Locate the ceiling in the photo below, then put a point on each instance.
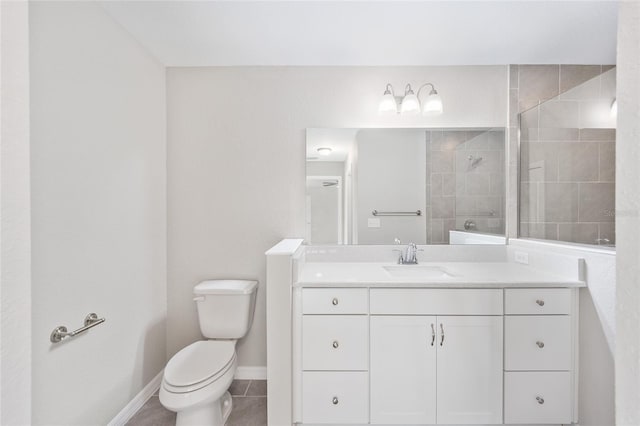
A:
(339, 140)
(379, 33)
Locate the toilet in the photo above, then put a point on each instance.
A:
(196, 380)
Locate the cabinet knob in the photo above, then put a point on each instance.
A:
(335, 400)
(540, 302)
(540, 344)
(334, 302)
(540, 400)
(335, 344)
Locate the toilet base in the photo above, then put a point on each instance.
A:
(213, 414)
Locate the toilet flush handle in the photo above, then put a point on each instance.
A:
(198, 298)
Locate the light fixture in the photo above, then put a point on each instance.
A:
(410, 103)
(324, 151)
(614, 108)
(388, 104)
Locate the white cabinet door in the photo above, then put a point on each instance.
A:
(403, 369)
(469, 369)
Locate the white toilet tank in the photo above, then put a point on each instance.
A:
(225, 307)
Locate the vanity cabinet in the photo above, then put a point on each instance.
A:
(403, 369)
(335, 356)
(539, 343)
(422, 356)
(449, 367)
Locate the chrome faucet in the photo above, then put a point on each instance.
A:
(408, 256)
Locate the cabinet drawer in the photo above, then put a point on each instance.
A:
(537, 301)
(387, 301)
(330, 397)
(335, 342)
(537, 342)
(335, 301)
(537, 398)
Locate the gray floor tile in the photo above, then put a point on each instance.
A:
(153, 413)
(248, 411)
(239, 387)
(257, 388)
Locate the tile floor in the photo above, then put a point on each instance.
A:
(249, 407)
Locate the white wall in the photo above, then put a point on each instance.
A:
(628, 216)
(15, 242)
(99, 212)
(236, 162)
(391, 176)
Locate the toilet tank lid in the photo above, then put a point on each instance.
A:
(226, 287)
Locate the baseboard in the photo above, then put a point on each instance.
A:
(137, 402)
(251, 373)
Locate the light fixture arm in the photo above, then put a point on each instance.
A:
(389, 90)
(408, 89)
(433, 89)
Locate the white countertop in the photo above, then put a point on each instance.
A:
(455, 275)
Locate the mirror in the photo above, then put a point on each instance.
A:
(427, 186)
(568, 167)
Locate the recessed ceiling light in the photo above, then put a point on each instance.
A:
(324, 151)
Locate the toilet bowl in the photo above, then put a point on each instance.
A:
(196, 379)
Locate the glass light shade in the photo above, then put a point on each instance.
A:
(388, 104)
(324, 151)
(410, 104)
(433, 104)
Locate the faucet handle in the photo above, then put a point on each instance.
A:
(401, 256)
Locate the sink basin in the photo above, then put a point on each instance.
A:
(417, 271)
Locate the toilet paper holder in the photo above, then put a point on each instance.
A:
(60, 333)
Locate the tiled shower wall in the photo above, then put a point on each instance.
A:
(465, 181)
(567, 165)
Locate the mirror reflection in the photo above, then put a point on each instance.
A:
(567, 165)
(427, 186)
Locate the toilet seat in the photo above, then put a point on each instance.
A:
(198, 365)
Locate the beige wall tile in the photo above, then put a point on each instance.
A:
(545, 231)
(496, 184)
(558, 202)
(442, 161)
(465, 205)
(443, 207)
(489, 206)
(477, 141)
(536, 83)
(436, 139)
(478, 184)
(597, 201)
(598, 134)
(513, 76)
(560, 114)
(546, 134)
(607, 231)
(574, 75)
(585, 233)
(448, 184)
(539, 161)
(496, 140)
(436, 184)
(578, 162)
(451, 139)
(529, 202)
(437, 233)
(607, 161)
